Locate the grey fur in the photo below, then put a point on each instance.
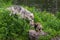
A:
(22, 12)
(34, 34)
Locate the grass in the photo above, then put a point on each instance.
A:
(49, 21)
(17, 29)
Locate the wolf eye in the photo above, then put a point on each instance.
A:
(39, 29)
(30, 16)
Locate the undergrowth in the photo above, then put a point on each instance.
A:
(14, 28)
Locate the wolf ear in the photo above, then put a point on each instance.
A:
(35, 26)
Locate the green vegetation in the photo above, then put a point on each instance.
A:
(12, 27)
(50, 23)
(15, 28)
